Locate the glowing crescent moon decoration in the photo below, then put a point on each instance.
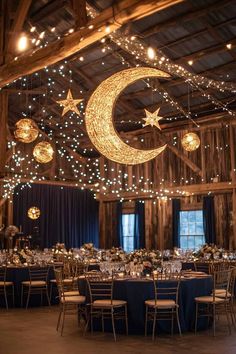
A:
(99, 117)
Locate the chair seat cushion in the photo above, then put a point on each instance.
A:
(6, 283)
(161, 303)
(34, 283)
(222, 293)
(72, 293)
(108, 303)
(73, 300)
(65, 281)
(209, 299)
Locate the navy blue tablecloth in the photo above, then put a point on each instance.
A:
(17, 275)
(136, 291)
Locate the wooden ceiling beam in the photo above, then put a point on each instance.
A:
(123, 12)
(17, 26)
(176, 191)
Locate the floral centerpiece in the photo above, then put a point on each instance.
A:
(149, 260)
(209, 251)
(23, 256)
(88, 253)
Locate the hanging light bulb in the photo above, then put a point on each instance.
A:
(151, 53)
(22, 43)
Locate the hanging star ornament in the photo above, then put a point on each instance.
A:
(152, 118)
(70, 104)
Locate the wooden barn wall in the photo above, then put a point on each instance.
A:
(158, 221)
(216, 160)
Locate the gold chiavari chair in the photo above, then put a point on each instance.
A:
(205, 267)
(37, 284)
(5, 285)
(69, 304)
(71, 270)
(214, 305)
(221, 293)
(102, 304)
(164, 306)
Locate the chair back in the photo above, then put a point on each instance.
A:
(205, 267)
(232, 281)
(218, 266)
(38, 273)
(166, 289)
(100, 286)
(167, 275)
(3, 273)
(58, 271)
(222, 281)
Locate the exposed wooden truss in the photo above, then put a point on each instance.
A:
(123, 12)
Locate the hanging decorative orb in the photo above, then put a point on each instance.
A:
(43, 152)
(190, 142)
(34, 213)
(26, 130)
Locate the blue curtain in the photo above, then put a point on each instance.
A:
(68, 215)
(209, 219)
(175, 222)
(119, 225)
(139, 240)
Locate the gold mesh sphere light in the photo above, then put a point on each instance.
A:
(26, 130)
(43, 152)
(190, 142)
(34, 213)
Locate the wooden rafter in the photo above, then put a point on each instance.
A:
(123, 12)
(17, 25)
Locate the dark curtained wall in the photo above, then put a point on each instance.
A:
(68, 215)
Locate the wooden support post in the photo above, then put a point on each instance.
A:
(234, 218)
(3, 130)
(233, 171)
(79, 8)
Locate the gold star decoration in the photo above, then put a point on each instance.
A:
(152, 118)
(70, 104)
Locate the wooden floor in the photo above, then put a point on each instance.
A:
(33, 332)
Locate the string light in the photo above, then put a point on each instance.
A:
(89, 173)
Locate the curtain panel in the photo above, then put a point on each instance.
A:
(209, 219)
(176, 222)
(68, 215)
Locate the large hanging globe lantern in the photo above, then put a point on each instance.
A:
(43, 152)
(34, 213)
(26, 130)
(190, 142)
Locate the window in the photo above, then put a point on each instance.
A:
(128, 231)
(191, 231)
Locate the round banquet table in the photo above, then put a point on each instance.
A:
(136, 291)
(19, 274)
